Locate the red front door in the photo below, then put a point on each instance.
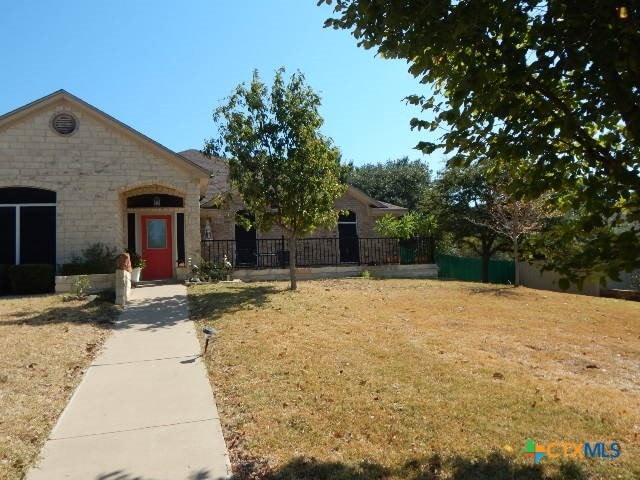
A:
(156, 247)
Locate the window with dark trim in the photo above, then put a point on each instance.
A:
(27, 225)
(155, 200)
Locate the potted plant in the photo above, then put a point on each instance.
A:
(137, 264)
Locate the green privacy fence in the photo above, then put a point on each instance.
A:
(470, 269)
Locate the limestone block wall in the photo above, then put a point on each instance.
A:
(99, 282)
(223, 219)
(383, 271)
(89, 170)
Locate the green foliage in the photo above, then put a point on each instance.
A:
(400, 182)
(366, 274)
(287, 172)
(413, 224)
(79, 268)
(545, 90)
(96, 258)
(101, 255)
(136, 260)
(459, 200)
(635, 280)
(31, 278)
(212, 270)
(81, 285)
(578, 254)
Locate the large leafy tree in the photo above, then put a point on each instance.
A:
(547, 90)
(460, 200)
(286, 171)
(400, 182)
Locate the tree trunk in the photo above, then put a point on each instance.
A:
(486, 256)
(292, 261)
(515, 259)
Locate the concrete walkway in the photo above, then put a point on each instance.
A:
(144, 410)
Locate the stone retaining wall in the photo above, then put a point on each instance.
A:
(380, 271)
(99, 282)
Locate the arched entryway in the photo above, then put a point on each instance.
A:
(27, 225)
(155, 229)
(246, 242)
(348, 235)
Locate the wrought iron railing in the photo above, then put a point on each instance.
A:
(317, 252)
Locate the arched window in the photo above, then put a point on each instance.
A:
(27, 225)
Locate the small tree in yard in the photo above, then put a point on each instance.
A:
(514, 219)
(413, 224)
(286, 171)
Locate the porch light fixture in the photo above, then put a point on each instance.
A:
(623, 12)
(156, 201)
(208, 333)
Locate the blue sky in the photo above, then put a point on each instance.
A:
(162, 67)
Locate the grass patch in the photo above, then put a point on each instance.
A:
(45, 346)
(420, 379)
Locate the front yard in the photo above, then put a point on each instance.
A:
(419, 379)
(45, 345)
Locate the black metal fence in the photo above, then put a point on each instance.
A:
(317, 252)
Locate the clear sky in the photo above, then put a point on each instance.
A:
(163, 66)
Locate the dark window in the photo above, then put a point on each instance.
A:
(246, 245)
(349, 217)
(180, 236)
(131, 232)
(34, 226)
(38, 235)
(18, 195)
(348, 238)
(154, 200)
(7, 235)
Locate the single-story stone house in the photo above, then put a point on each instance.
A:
(223, 236)
(71, 176)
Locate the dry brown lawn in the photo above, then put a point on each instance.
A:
(420, 379)
(45, 345)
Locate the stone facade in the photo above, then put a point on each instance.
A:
(99, 282)
(93, 171)
(222, 219)
(380, 271)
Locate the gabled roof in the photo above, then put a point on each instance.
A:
(376, 207)
(63, 95)
(218, 169)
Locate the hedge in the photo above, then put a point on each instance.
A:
(4, 279)
(31, 278)
(84, 269)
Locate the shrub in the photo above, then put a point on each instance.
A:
(82, 285)
(4, 279)
(97, 258)
(635, 280)
(212, 270)
(81, 269)
(31, 278)
(101, 256)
